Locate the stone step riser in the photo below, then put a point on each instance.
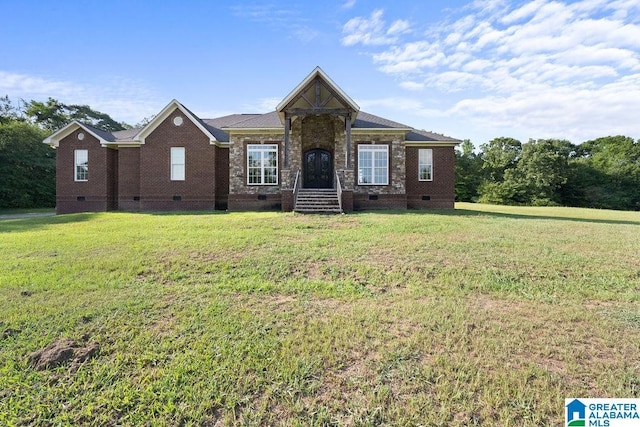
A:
(317, 201)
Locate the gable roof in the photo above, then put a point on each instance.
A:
(102, 136)
(166, 111)
(303, 85)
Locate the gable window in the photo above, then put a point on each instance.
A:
(373, 164)
(262, 164)
(425, 164)
(177, 163)
(81, 161)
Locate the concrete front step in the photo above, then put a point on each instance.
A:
(317, 201)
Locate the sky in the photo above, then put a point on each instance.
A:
(473, 70)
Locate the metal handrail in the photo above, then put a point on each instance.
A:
(295, 188)
(339, 190)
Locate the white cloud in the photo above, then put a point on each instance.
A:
(123, 99)
(262, 105)
(407, 84)
(543, 66)
(349, 4)
(399, 103)
(398, 27)
(525, 11)
(371, 30)
(34, 85)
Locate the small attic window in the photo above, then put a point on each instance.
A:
(80, 136)
(177, 121)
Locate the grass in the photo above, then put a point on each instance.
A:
(4, 212)
(484, 315)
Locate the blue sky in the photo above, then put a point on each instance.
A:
(470, 69)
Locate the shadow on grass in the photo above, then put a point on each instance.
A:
(25, 224)
(9, 225)
(471, 212)
(180, 213)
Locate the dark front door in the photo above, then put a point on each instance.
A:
(318, 169)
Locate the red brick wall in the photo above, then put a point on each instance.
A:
(98, 191)
(222, 178)
(369, 201)
(157, 190)
(112, 179)
(128, 178)
(440, 191)
(255, 202)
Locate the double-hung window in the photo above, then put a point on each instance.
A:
(373, 164)
(177, 163)
(425, 164)
(81, 161)
(262, 164)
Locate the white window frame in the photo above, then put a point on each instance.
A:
(178, 169)
(262, 151)
(371, 163)
(78, 157)
(425, 161)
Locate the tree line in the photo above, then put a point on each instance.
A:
(27, 166)
(600, 173)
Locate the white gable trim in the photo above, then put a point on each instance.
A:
(166, 112)
(316, 72)
(55, 138)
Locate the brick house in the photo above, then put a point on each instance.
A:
(316, 152)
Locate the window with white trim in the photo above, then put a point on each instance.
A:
(373, 164)
(81, 163)
(262, 164)
(177, 163)
(425, 164)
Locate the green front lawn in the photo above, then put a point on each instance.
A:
(485, 315)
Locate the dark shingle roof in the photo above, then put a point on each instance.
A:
(423, 135)
(230, 120)
(107, 136)
(367, 120)
(271, 120)
(257, 121)
(218, 127)
(125, 135)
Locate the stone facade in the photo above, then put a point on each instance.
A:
(238, 163)
(396, 165)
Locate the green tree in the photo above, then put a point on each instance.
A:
(542, 171)
(533, 173)
(52, 115)
(8, 112)
(27, 167)
(607, 173)
(500, 156)
(468, 172)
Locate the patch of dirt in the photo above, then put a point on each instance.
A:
(61, 352)
(10, 332)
